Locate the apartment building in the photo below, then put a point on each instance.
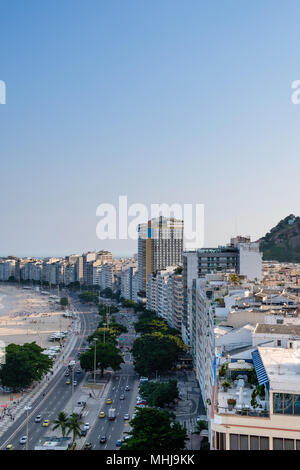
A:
(269, 421)
(164, 295)
(127, 274)
(160, 244)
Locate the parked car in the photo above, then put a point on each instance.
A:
(83, 432)
(86, 426)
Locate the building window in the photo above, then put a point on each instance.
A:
(254, 443)
(277, 444)
(278, 342)
(286, 403)
(220, 440)
(245, 442)
(234, 442)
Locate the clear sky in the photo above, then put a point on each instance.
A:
(160, 100)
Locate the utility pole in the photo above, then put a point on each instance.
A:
(73, 371)
(95, 355)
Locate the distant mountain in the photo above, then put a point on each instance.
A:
(282, 243)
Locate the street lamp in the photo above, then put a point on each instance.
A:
(95, 354)
(27, 408)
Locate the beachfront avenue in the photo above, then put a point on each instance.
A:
(57, 396)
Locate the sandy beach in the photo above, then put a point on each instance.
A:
(27, 316)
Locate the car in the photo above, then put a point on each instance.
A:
(46, 423)
(122, 396)
(9, 447)
(74, 383)
(118, 443)
(87, 446)
(38, 419)
(102, 439)
(140, 406)
(127, 388)
(86, 426)
(23, 440)
(67, 373)
(83, 432)
(101, 414)
(78, 371)
(126, 416)
(109, 401)
(141, 402)
(68, 382)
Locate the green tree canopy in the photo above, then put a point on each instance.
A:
(89, 297)
(157, 352)
(155, 430)
(107, 355)
(24, 364)
(64, 302)
(160, 394)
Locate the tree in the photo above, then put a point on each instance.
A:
(107, 355)
(64, 302)
(24, 364)
(155, 430)
(160, 394)
(156, 352)
(74, 426)
(151, 324)
(200, 426)
(61, 422)
(89, 297)
(234, 278)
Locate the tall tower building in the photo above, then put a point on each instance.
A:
(160, 244)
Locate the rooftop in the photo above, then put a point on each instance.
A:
(278, 329)
(282, 367)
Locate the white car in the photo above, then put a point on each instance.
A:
(23, 440)
(86, 426)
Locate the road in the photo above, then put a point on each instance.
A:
(57, 395)
(113, 430)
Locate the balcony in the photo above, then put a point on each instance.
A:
(239, 397)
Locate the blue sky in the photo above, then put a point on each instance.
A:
(162, 101)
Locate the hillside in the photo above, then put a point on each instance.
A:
(282, 243)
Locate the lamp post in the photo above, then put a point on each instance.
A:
(95, 354)
(27, 408)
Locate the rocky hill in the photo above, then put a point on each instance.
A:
(282, 243)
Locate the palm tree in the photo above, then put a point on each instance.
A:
(74, 426)
(61, 422)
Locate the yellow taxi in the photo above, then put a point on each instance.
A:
(68, 381)
(9, 447)
(109, 401)
(101, 414)
(46, 423)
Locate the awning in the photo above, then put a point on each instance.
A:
(260, 370)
